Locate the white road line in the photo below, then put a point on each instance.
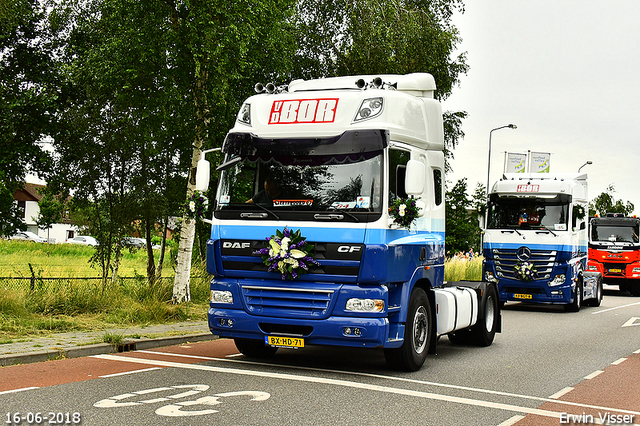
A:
(19, 390)
(594, 374)
(344, 383)
(617, 307)
(637, 352)
(129, 372)
(512, 421)
(561, 393)
(620, 361)
(403, 379)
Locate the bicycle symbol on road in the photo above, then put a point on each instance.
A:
(178, 408)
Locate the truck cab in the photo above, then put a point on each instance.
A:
(535, 241)
(308, 239)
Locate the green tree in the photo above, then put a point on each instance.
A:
(463, 231)
(30, 93)
(606, 203)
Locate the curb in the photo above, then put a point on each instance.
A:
(127, 345)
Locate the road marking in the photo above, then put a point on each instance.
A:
(403, 379)
(129, 372)
(19, 390)
(594, 374)
(346, 383)
(637, 352)
(617, 307)
(631, 322)
(561, 393)
(620, 361)
(512, 421)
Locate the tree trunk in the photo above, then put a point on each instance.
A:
(181, 291)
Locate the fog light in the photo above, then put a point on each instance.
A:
(557, 280)
(230, 322)
(347, 331)
(489, 277)
(218, 296)
(222, 322)
(369, 108)
(556, 293)
(357, 332)
(365, 305)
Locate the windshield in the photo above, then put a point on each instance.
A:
(614, 233)
(528, 213)
(302, 186)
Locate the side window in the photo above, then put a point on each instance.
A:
(397, 168)
(437, 186)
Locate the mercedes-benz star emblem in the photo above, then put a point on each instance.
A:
(524, 253)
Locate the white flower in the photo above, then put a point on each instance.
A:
(297, 254)
(402, 209)
(192, 206)
(285, 243)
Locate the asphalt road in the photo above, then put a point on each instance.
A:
(545, 364)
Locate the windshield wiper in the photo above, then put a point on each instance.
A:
(545, 229)
(335, 216)
(511, 231)
(266, 210)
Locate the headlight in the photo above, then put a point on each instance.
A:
(369, 108)
(592, 268)
(365, 305)
(244, 116)
(557, 280)
(221, 296)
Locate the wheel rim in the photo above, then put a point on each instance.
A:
(489, 314)
(420, 330)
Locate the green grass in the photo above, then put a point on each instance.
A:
(463, 270)
(66, 260)
(72, 304)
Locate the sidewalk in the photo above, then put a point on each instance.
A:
(79, 344)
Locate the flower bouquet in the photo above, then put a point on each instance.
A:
(404, 211)
(288, 253)
(526, 271)
(196, 205)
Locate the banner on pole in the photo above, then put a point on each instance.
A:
(515, 162)
(539, 162)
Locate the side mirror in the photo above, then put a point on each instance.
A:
(415, 177)
(202, 175)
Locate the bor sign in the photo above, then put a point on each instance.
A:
(303, 111)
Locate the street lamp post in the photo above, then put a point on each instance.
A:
(585, 164)
(510, 126)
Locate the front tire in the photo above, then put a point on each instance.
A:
(417, 335)
(577, 299)
(254, 348)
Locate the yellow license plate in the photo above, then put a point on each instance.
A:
(522, 296)
(284, 342)
(615, 271)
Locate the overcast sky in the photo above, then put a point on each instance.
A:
(567, 73)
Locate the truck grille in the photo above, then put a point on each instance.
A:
(297, 302)
(506, 260)
(338, 262)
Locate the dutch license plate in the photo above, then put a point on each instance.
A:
(615, 271)
(284, 342)
(522, 296)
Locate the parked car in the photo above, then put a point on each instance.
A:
(84, 240)
(28, 236)
(134, 242)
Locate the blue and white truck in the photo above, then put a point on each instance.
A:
(535, 240)
(328, 224)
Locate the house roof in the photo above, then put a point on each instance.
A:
(29, 192)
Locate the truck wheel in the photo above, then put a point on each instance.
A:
(577, 299)
(634, 289)
(598, 298)
(254, 348)
(417, 335)
(485, 329)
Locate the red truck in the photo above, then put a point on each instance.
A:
(614, 250)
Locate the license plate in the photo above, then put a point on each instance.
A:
(522, 296)
(284, 342)
(615, 271)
